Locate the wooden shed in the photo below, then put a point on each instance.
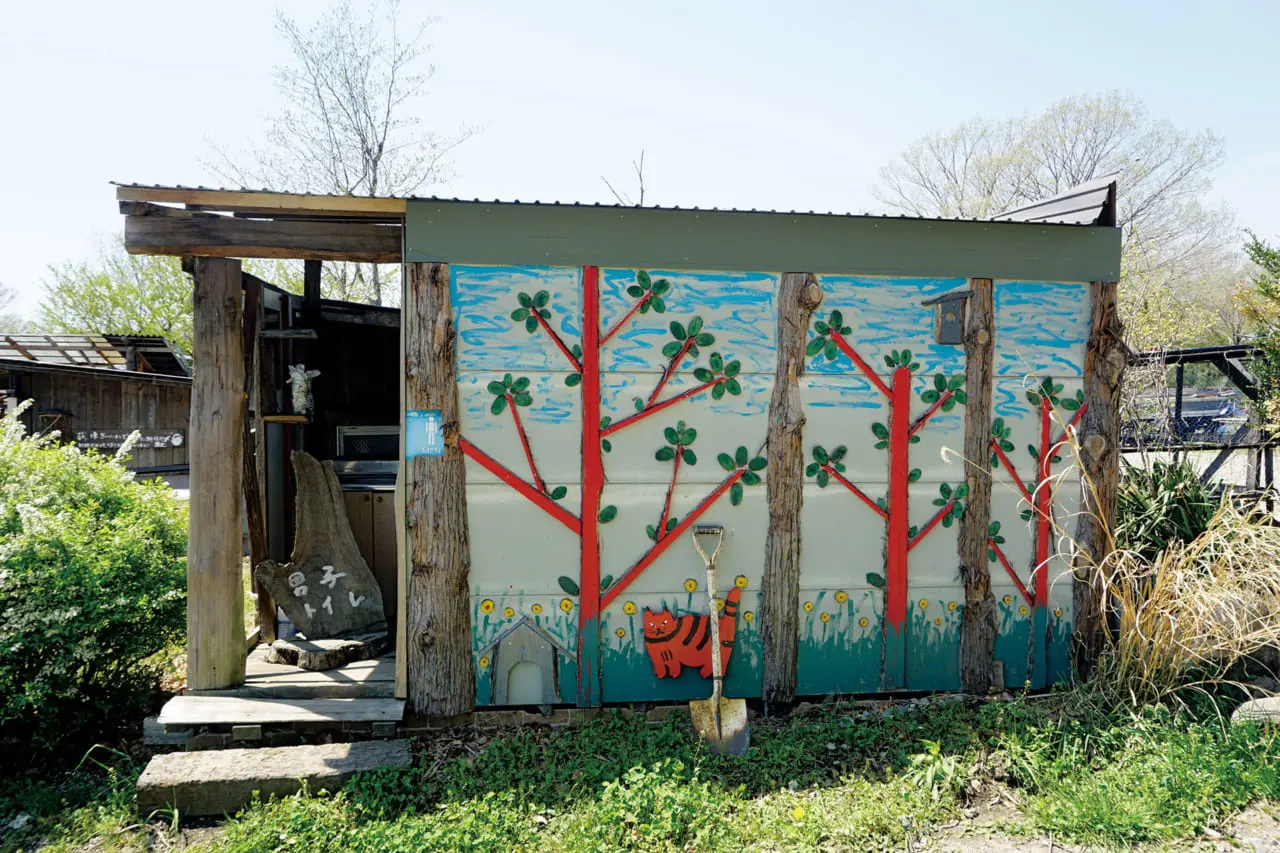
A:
(96, 390)
(878, 410)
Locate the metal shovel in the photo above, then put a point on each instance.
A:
(721, 722)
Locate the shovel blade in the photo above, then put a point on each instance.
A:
(732, 736)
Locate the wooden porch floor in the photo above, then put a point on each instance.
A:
(366, 679)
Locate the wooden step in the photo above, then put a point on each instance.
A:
(374, 678)
(219, 782)
(197, 710)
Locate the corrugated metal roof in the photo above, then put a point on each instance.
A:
(1011, 216)
(111, 352)
(1090, 203)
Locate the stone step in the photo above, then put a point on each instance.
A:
(219, 782)
(195, 710)
(1265, 710)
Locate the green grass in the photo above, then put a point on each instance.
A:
(828, 781)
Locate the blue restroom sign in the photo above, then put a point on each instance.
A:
(424, 434)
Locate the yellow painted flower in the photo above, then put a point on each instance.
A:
(749, 616)
(951, 605)
(924, 603)
(842, 596)
(486, 606)
(740, 581)
(484, 663)
(864, 621)
(808, 607)
(621, 632)
(537, 608)
(629, 608)
(1022, 611)
(1008, 599)
(825, 617)
(719, 603)
(938, 621)
(690, 585)
(1057, 611)
(509, 612)
(566, 605)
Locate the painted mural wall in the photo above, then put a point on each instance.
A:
(562, 467)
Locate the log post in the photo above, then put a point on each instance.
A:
(438, 622)
(255, 518)
(798, 297)
(1099, 438)
(978, 622)
(215, 591)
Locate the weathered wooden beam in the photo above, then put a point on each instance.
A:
(441, 677)
(1099, 436)
(259, 238)
(215, 591)
(255, 517)
(288, 334)
(146, 208)
(978, 622)
(798, 297)
(319, 205)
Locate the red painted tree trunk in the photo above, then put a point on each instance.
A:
(898, 541)
(592, 485)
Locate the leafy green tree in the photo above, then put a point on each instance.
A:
(1261, 305)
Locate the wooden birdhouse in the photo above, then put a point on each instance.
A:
(948, 316)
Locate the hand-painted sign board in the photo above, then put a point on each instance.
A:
(423, 435)
(110, 439)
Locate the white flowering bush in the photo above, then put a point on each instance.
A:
(92, 587)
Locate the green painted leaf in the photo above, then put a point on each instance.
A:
(735, 494)
(695, 325)
(997, 426)
(889, 362)
(688, 436)
(520, 315)
(991, 554)
(690, 458)
(732, 368)
(939, 382)
(838, 453)
(531, 324)
(652, 531)
(733, 387)
(750, 478)
(671, 435)
(820, 454)
(823, 478)
(811, 469)
(821, 327)
(1034, 455)
(642, 279)
(573, 379)
(638, 402)
(526, 301)
(948, 404)
(717, 391)
(929, 396)
(507, 380)
(606, 445)
(956, 382)
(523, 399)
(1033, 398)
(960, 397)
(544, 314)
(661, 286)
(605, 421)
(499, 404)
(726, 461)
(576, 349)
(541, 298)
(672, 522)
(558, 492)
(881, 445)
(1055, 460)
(913, 439)
(520, 384)
(1006, 446)
(905, 357)
(915, 475)
(664, 454)
(569, 585)
(944, 489)
(678, 331)
(879, 430)
(703, 375)
(831, 351)
(995, 461)
(671, 349)
(912, 531)
(1070, 405)
(939, 502)
(717, 362)
(1025, 515)
(659, 307)
(758, 464)
(608, 514)
(635, 290)
(993, 528)
(646, 305)
(606, 582)
(741, 456)
(835, 318)
(915, 365)
(962, 491)
(846, 331)
(875, 580)
(496, 388)
(705, 339)
(946, 521)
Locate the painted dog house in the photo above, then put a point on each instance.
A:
(876, 409)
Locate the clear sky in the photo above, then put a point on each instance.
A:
(736, 102)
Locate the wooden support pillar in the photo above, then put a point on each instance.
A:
(255, 517)
(215, 585)
(438, 620)
(798, 297)
(1099, 436)
(311, 277)
(978, 622)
